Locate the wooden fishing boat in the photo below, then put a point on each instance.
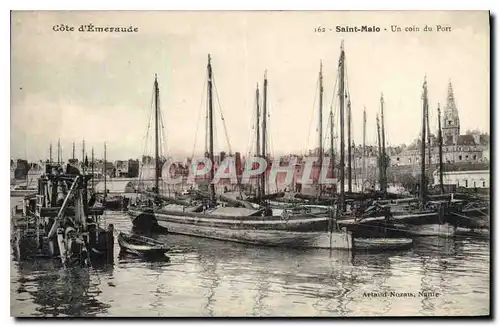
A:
(245, 226)
(58, 221)
(244, 222)
(441, 230)
(141, 245)
(116, 202)
(22, 190)
(382, 244)
(480, 232)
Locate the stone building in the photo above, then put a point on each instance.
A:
(471, 147)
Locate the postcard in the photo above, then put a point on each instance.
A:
(250, 164)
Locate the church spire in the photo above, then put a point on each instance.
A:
(450, 105)
(451, 97)
(451, 120)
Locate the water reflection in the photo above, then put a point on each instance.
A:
(427, 287)
(211, 281)
(213, 278)
(263, 291)
(59, 292)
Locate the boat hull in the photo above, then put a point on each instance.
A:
(473, 218)
(144, 250)
(481, 232)
(441, 230)
(145, 219)
(280, 238)
(22, 193)
(382, 244)
(253, 231)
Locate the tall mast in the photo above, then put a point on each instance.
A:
(92, 165)
(157, 121)
(264, 132)
(332, 152)
(73, 156)
(422, 153)
(364, 144)
(105, 173)
(211, 131)
(380, 164)
(440, 140)
(58, 151)
(50, 152)
(342, 145)
(384, 156)
(257, 135)
(429, 153)
(349, 148)
(320, 115)
(83, 153)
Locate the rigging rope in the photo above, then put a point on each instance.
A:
(312, 115)
(270, 144)
(206, 127)
(199, 117)
(334, 112)
(354, 165)
(222, 116)
(252, 146)
(145, 148)
(163, 134)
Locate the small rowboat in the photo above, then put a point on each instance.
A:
(482, 232)
(382, 244)
(441, 230)
(141, 245)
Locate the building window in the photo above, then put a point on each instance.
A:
(475, 157)
(466, 183)
(459, 157)
(474, 184)
(484, 183)
(397, 159)
(467, 157)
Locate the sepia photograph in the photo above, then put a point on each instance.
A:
(250, 164)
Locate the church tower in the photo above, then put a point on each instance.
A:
(451, 121)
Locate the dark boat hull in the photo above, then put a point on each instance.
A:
(297, 232)
(473, 218)
(382, 244)
(145, 219)
(142, 248)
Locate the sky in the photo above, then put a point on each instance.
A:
(98, 86)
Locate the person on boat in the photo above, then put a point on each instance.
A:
(71, 170)
(268, 212)
(61, 194)
(92, 199)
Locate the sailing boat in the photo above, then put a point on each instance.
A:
(238, 224)
(63, 222)
(279, 200)
(423, 218)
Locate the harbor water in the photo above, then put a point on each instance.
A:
(202, 277)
